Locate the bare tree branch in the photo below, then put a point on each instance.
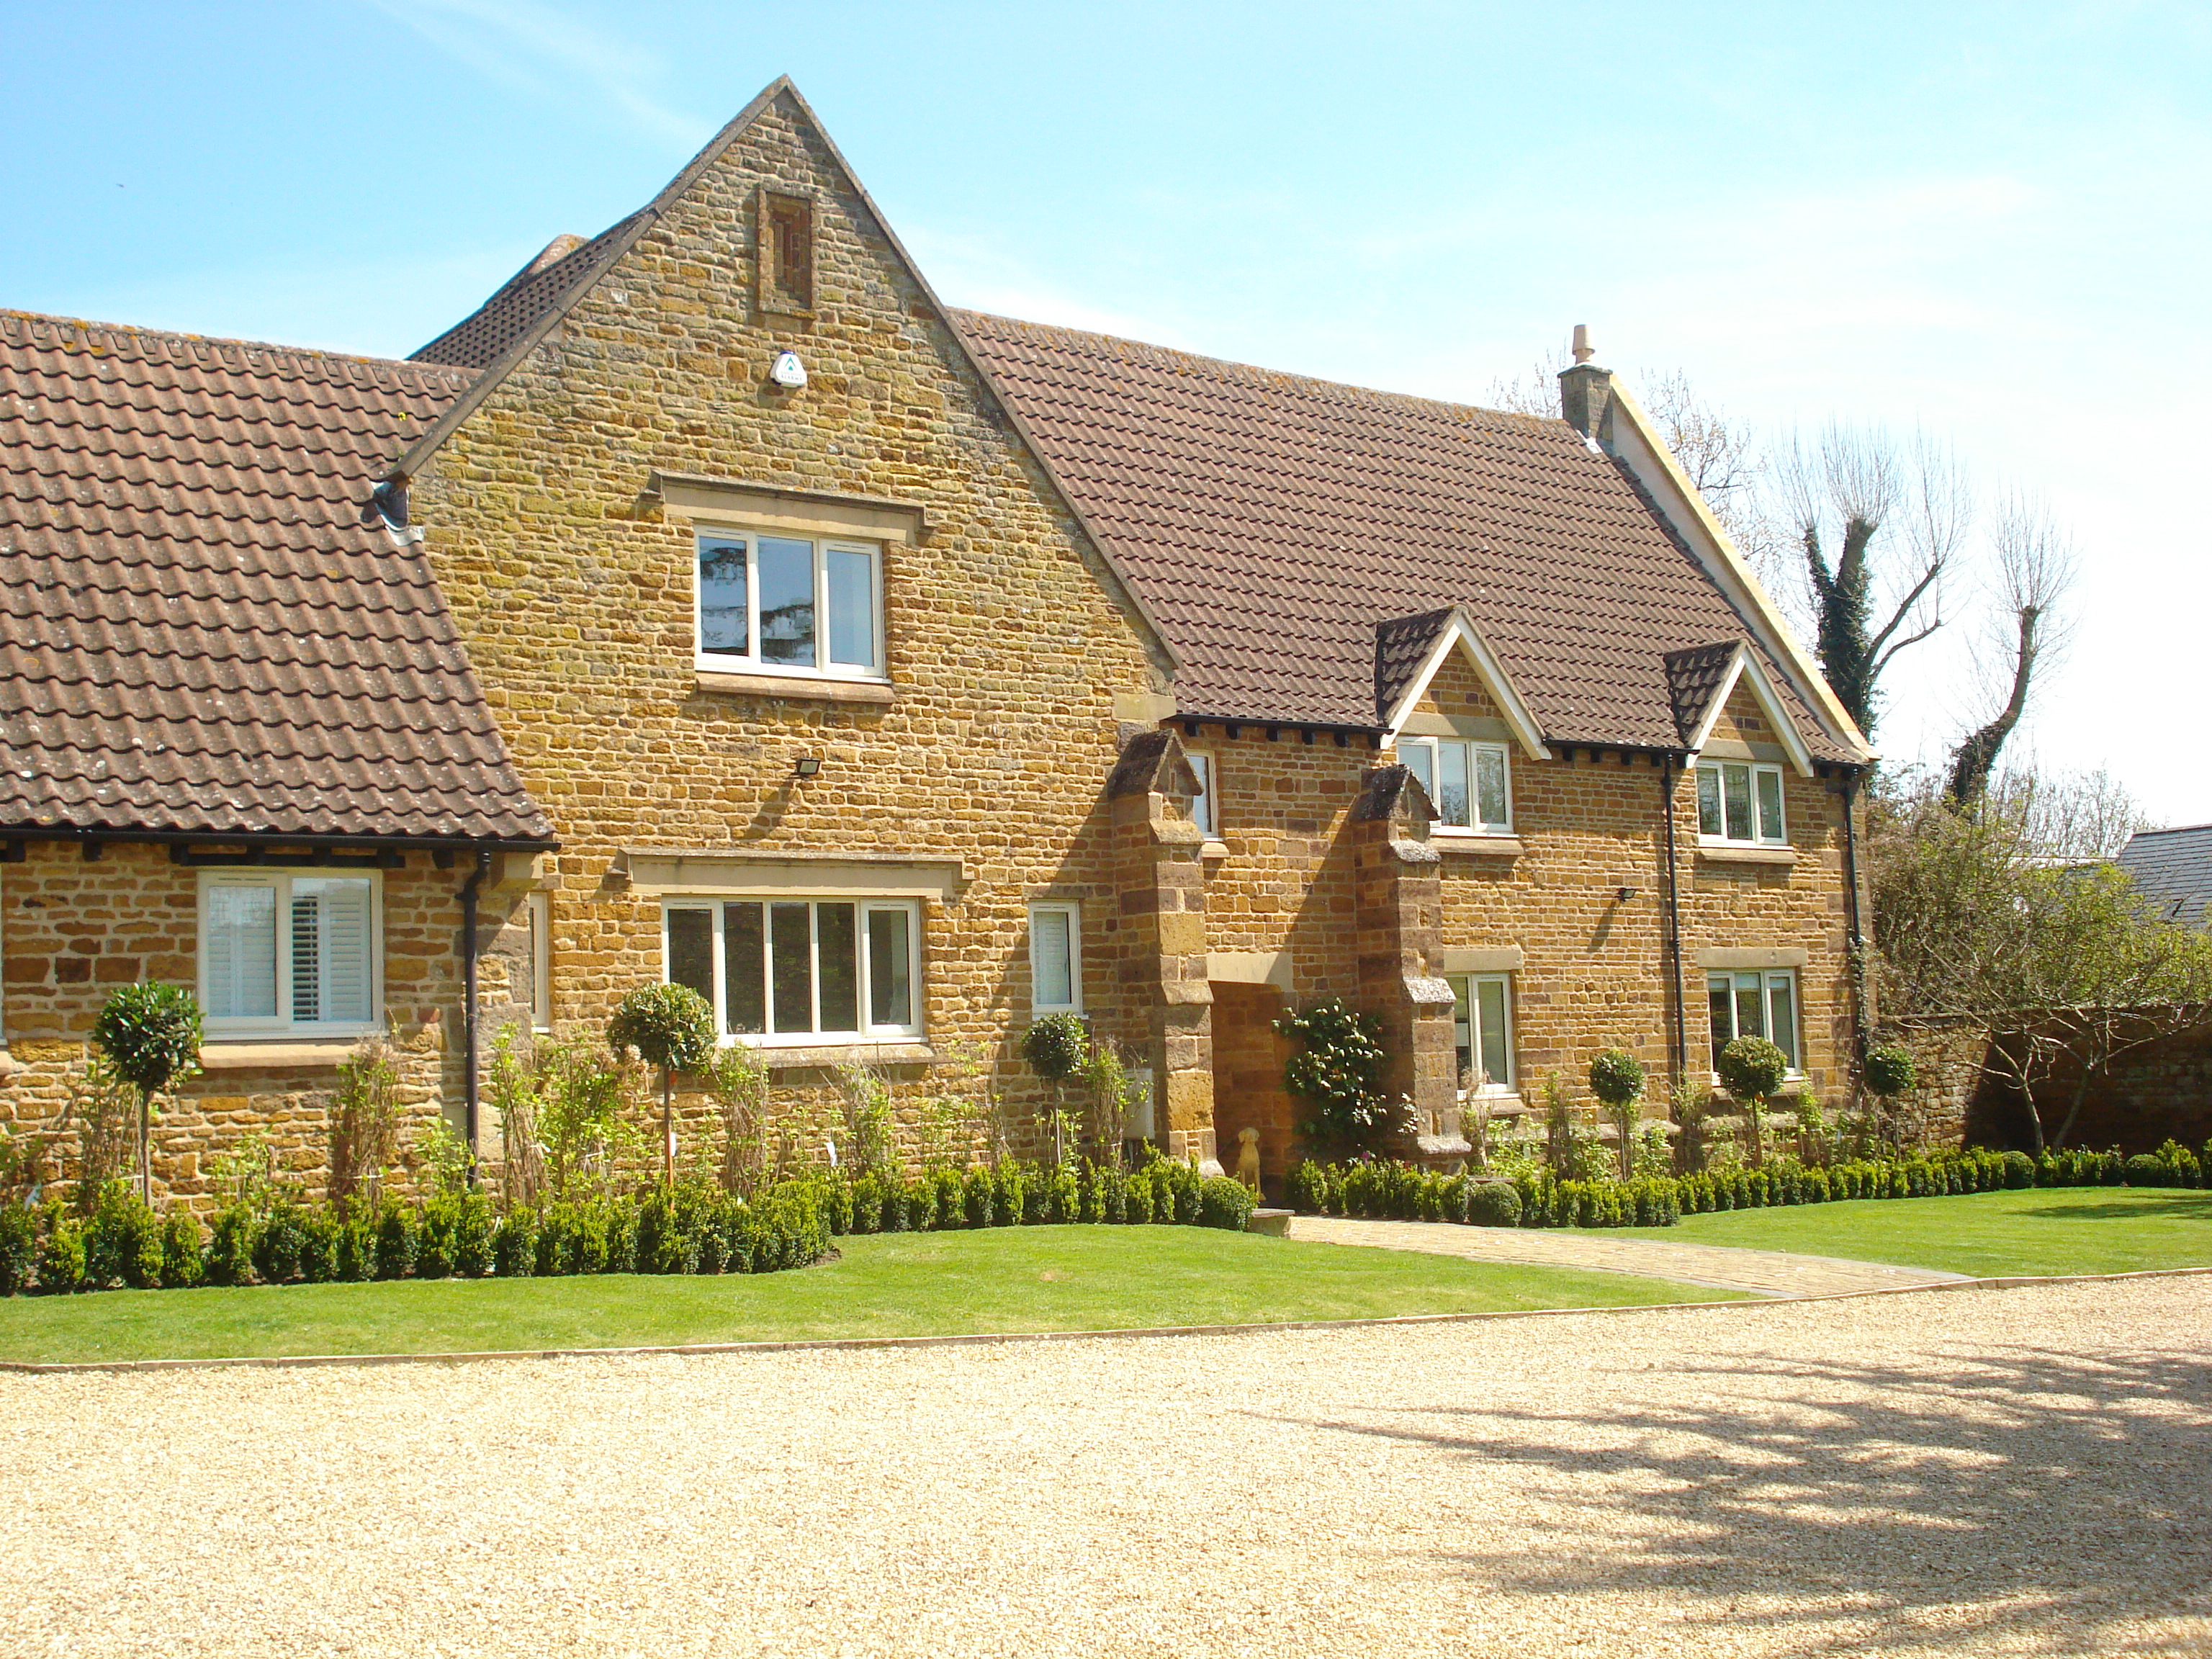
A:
(2036, 570)
(1897, 513)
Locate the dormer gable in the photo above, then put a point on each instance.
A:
(1725, 686)
(1413, 654)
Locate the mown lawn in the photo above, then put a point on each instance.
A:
(1025, 1279)
(2046, 1229)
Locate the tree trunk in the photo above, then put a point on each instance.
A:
(2073, 1110)
(1975, 759)
(145, 1149)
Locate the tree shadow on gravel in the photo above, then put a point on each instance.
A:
(2017, 1496)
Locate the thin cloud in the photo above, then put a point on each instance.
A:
(515, 42)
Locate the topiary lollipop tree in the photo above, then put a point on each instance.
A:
(1753, 1070)
(1056, 1047)
(670, 1027)
(151, 1036)
(1889, 1072)
(1616, 1077)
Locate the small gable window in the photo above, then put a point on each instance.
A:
(1469, 783)
(1740, 802)
(789, 257)
(789, 604)
(282, 953)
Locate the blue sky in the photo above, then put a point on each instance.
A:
(1992, 221)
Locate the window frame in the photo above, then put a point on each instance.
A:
(863, 903)
(1754, 771)
(538, 907)
(1073, 911)
(1434, 745)
(750, 661)
(282, 1024)
(1767, 978)
(1464, 990)
(1206, 809)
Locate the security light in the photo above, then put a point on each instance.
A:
(806, 766)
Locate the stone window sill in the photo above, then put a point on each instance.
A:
(1501, 1104)
(847, 1053)
(797, 689)
(1214, 849)
(1780, 857)
(1488, 847)
(271, 1056)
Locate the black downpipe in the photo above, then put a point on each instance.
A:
(469, 1000)
(1851, 911)
(1680, 1053)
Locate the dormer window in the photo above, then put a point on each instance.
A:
(1739, 804)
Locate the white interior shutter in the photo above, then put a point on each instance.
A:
(332, 952)
(1052, 983)
(307, 956)
(240, 943)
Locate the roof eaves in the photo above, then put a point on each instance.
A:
(1733, 576)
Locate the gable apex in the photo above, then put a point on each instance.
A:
(557, 282)
(1408, 652)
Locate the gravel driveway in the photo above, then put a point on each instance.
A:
(1983, 1471)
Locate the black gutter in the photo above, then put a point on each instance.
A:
(1680, 1047)
(469, 1000)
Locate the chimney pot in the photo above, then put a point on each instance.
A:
(1583, 350)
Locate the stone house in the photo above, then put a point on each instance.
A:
(715, 606)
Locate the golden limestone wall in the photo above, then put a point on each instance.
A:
(72, 929)
(1593, 968)
(575, 595)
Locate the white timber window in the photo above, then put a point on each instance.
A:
(1205, 812)
(1055, 959)
(1482, 1029)
(1763, 1005)
(539, 908)
(800, 970)
(806, 606)
(1470, 783)
(289, 953)
(1739, 804)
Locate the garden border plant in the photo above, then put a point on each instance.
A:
(151, 1034)
(268, 1234)
(1387, 1190)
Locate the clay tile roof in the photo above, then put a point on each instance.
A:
(567, 265)
(1401, 646)
(1269, 522)
(197, 633)
(2172, 868)
(1694, 677)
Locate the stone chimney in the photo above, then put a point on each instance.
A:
(1586, 391)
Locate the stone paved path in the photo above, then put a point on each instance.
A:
(1768, 1272)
